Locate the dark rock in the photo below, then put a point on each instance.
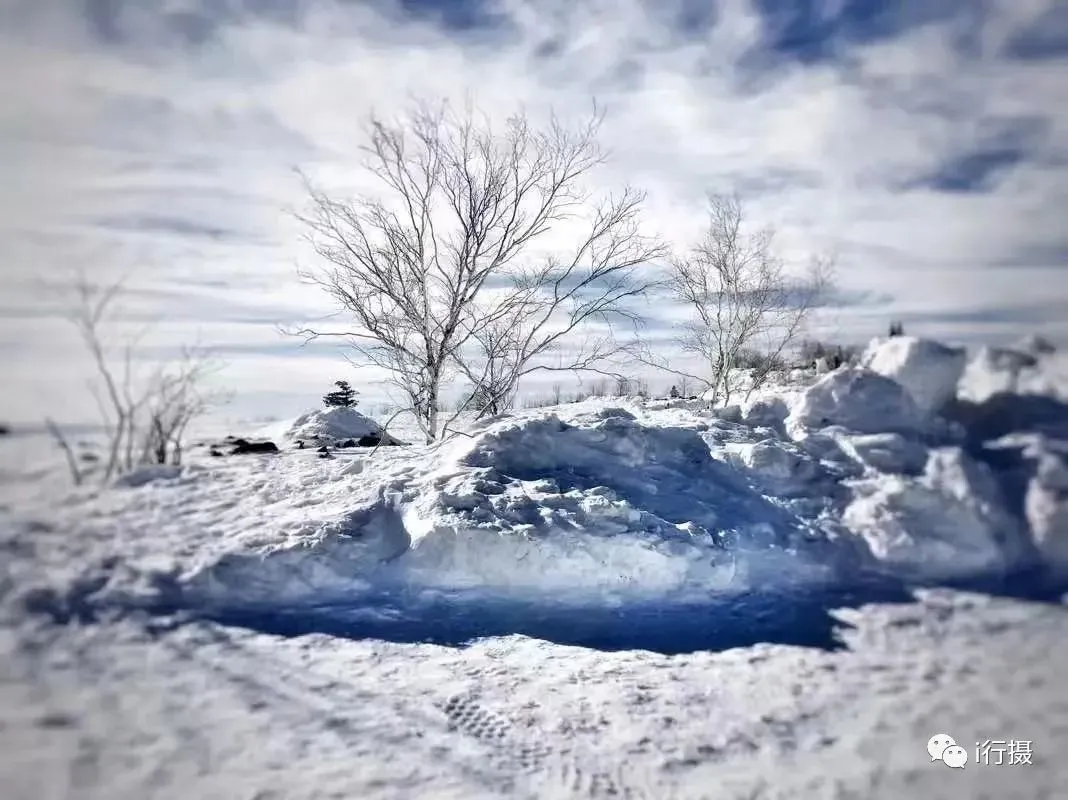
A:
(324, 449)
(4, 430)
(370, 440)
(243, 446)
(215, 452)
(348, 443)
(325, 454)
(300, 444)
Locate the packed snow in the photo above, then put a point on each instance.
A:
(614, 597)
(326, 426)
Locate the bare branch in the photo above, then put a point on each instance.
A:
(742, 301)
(145, 418)
(76, 473)
(429, 268)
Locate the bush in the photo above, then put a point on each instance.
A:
(755, 360)
(836, 355)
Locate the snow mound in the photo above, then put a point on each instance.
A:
(994, 370)
(1046, 506)
(947, 523)
(608, 501)
(928, 370)
(147, 474)
(1036, 345)
(858, 400)
(328, 426)
(603, 503)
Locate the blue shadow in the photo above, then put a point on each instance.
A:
(799, 617)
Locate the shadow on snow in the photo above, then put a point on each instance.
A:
(798, 617)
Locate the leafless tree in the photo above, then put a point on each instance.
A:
(432, 271)
(145, 417)
(742, 299)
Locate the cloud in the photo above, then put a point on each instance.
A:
(923, 142)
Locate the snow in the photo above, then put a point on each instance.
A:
(324, 426)
(929, 370)
(606, 598)
(859, 400)
(947, 522)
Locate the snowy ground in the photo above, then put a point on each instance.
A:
(606, 599)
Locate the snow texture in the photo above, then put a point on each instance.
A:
(611, 598)
(325, 426)
(929, 370)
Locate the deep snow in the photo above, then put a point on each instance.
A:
(621, 598)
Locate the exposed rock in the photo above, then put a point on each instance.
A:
(243, 447)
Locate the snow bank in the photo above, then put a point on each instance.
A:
(1046, 506)
(600, 502)
(947, 523)
(327, 426)
(994, 370)
(928, 370)
(858, 400)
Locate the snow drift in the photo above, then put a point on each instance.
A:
(329, 426)
(929, 371)
(594, 503)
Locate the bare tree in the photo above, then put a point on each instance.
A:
(173, 400)
(742, 299)
(430, 270)
(145, 417)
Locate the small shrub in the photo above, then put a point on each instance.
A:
(342, 397)
(836, 355)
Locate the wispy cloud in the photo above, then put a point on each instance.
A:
(922, 142)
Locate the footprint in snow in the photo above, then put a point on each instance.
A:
(466, 716)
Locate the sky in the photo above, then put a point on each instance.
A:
(922, 143)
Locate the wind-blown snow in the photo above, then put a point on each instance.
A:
(612, 524)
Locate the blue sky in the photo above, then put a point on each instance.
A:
(924, 143)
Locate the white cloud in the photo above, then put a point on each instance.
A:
(195, 143)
